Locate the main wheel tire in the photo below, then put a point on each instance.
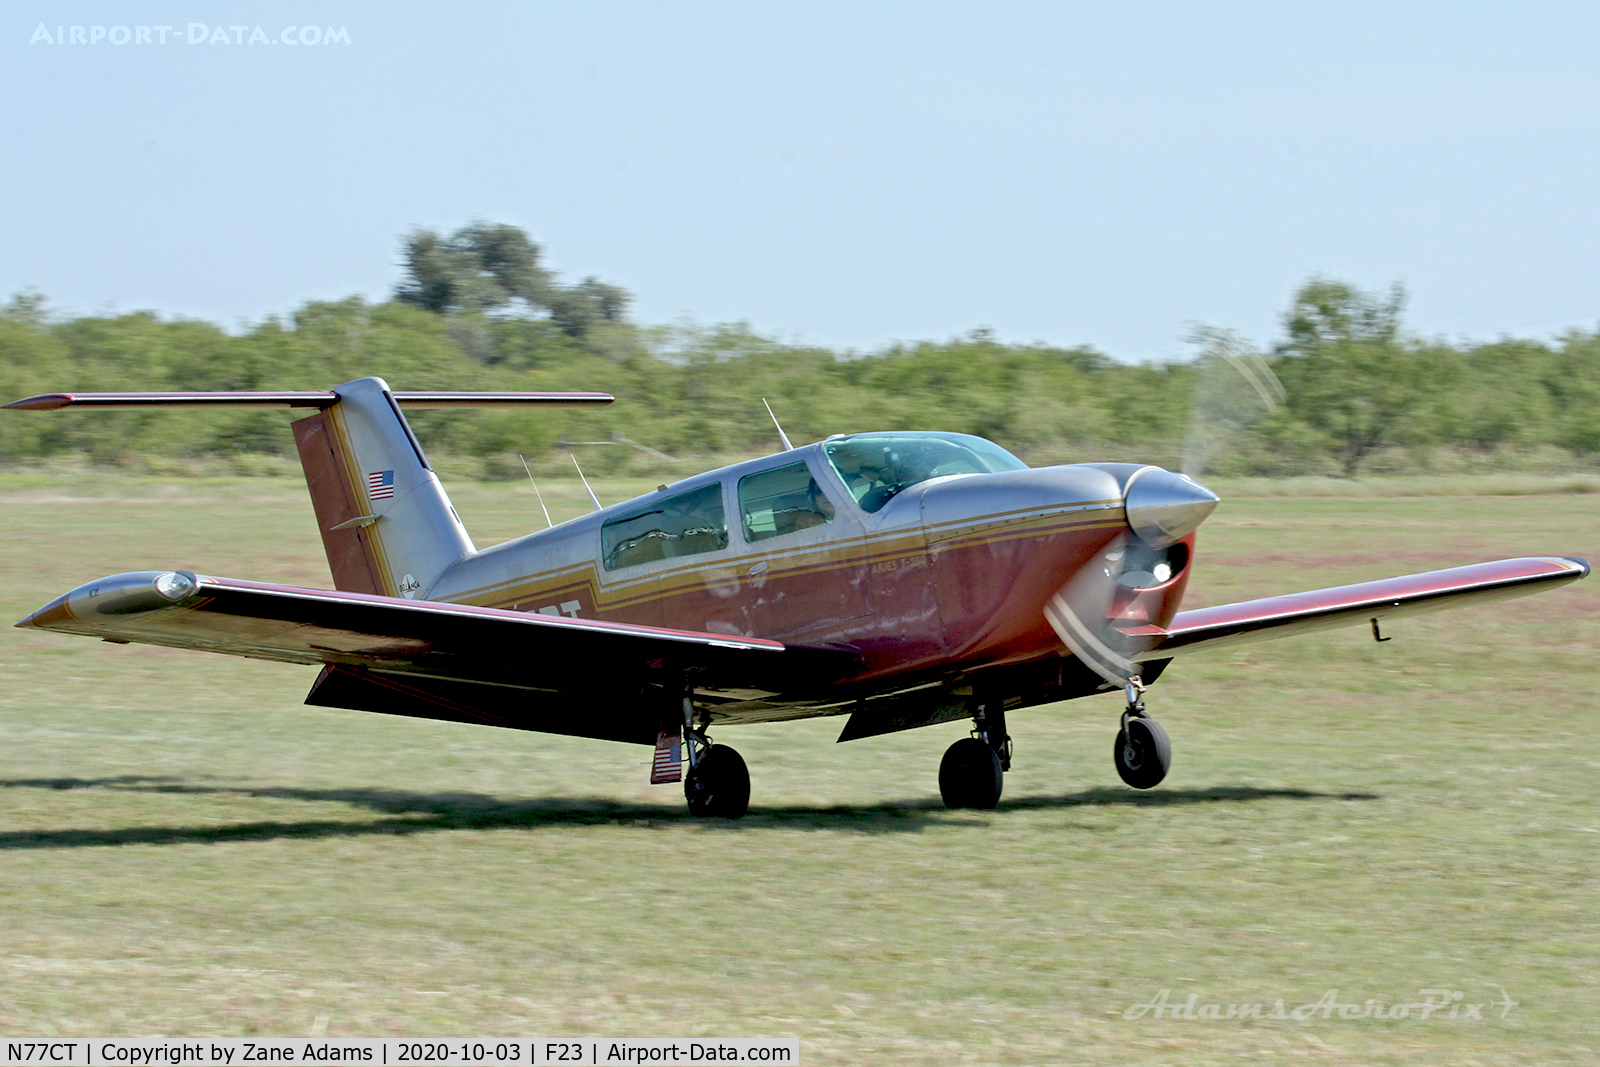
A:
(970, 776)
(719, 786)
(1143, 753)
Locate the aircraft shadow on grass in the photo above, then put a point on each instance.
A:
(413, 813)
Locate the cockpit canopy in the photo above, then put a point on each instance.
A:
(876, 467)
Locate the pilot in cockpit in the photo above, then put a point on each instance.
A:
(873, 476)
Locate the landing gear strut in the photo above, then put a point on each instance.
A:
(718, 782)
(1142, 752)
(971, 774)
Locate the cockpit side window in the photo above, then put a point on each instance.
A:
(683, 525)
(780, 501)
(876, 467)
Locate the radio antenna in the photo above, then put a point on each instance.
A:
(536, 492)
(787, 447)
(586, 485)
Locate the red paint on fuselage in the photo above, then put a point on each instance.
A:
(971, 599)
(953, 576)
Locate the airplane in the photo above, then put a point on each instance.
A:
(900, 579)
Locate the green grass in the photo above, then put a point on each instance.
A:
(187, 850)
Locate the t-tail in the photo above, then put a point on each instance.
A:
(387, 524)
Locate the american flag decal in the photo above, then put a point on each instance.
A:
(380, 485)
(668, 765)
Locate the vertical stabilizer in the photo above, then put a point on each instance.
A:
(386, 523)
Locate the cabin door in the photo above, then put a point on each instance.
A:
(804, 569)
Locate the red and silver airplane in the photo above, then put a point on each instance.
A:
(899, 579)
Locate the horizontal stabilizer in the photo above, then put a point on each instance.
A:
(387, 524)
(1227, 625)
(300, 399)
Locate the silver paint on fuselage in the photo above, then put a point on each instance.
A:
(574, 545)
(923, 517)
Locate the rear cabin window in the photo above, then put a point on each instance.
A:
(683, 525)
(781, 501)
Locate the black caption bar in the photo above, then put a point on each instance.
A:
(405, 1052)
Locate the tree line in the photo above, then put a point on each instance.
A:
(478, 310)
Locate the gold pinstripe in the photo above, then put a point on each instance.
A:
(974, 524)
(895, 546)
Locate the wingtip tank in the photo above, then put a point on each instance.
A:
(114, 595)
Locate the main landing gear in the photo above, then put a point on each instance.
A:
(718, 782)
(1142, 753)
(971, 774)
(973, 770)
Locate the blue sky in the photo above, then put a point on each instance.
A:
(844, 174)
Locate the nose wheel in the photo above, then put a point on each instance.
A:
(1143, 753)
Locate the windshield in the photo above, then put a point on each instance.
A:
(876, 467)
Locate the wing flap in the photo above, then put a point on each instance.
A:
(606, 714)
(1227, 625)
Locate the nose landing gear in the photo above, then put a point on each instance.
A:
(1143, 753)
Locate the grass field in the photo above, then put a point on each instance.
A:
(187, 850)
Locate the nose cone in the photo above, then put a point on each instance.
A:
(1164, 508)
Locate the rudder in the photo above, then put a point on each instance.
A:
(387, 524)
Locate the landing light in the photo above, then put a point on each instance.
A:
(174, 585)
(1146, 567)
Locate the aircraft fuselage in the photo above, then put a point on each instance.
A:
(947, 577)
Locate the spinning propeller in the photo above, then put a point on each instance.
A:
(1162, 509)
(1233, 388)
(1095, 612)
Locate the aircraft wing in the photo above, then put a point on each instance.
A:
(1227, 625)
(437, 660)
